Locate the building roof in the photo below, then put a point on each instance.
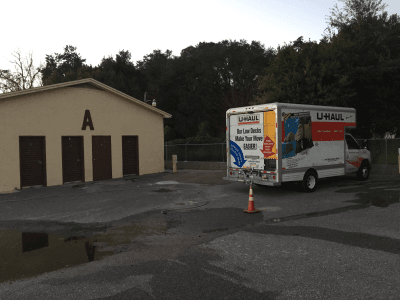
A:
(84, 82)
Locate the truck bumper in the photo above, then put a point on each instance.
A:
(248, 180)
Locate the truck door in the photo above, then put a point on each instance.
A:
(246, 141)
(353, 161)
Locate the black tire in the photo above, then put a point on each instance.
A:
(363, 172)
(309, 183)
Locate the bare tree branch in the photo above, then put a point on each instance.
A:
(25, 76)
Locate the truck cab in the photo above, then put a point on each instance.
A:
(358, 160)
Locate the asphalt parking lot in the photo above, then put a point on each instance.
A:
(185, 236)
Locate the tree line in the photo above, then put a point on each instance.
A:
(357, 67)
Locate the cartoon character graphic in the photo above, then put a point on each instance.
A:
(298, 134)
(303, 135)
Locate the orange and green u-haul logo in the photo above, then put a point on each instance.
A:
(269, 144)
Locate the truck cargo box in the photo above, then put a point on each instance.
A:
(279, 142)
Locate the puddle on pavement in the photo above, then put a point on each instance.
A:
(379, 202)
(116, 182)
(366, 196)
(163, 190)
(315, 214)
(27, 254)
(79, 186)
(215, 230)
(378, 196)
(364, 200)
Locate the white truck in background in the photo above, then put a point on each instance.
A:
(279, 142)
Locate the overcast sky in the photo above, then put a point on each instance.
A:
(99, 28)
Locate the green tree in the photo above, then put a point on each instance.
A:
(358, 67)
(309, 73)
(239, 66)
(210, 78)
(372, 61)
(62, 67)
(169, 134)
(352, 11)
(155, 68)
(87, 72)
(204, 130)
(121, 74)
(375, 67)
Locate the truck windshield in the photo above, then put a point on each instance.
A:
(351, 143)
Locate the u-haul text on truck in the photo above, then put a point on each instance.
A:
(278, 142)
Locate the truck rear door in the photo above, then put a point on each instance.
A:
(246, 140)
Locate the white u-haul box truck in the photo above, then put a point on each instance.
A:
(279, 142)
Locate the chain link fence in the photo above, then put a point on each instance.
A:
(196, 152)
(383, 151)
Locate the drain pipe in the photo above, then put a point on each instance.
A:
(145, 97)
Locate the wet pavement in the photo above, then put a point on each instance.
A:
(185, 236)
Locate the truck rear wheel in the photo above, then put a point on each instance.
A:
(309, 183)
(363, 172)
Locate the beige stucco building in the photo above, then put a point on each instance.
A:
(77, 131)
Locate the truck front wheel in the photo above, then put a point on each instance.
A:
(363, 172)
(309, 182)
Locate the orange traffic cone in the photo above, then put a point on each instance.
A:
(251, 209)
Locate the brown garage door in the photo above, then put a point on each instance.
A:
(32, 158)
(101, 153)
(72, 158)
(130, 155)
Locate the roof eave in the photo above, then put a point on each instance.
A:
(92, 81)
